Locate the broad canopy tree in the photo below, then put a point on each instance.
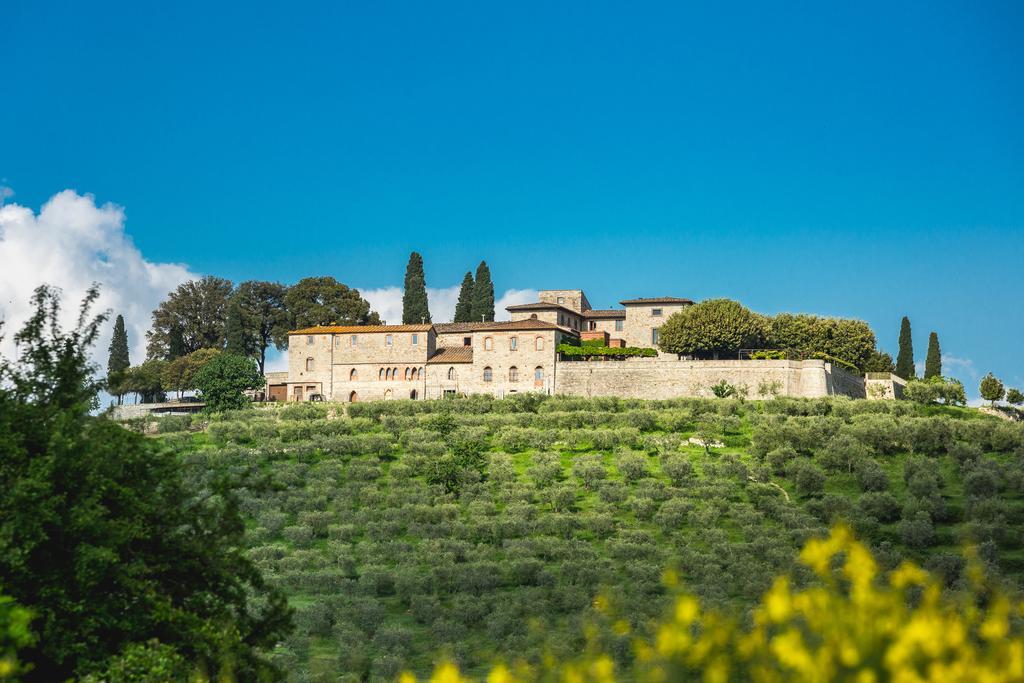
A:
(264, 317)
(191, 318)
(711, 328)
(324, 301)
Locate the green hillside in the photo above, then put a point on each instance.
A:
(485, 529)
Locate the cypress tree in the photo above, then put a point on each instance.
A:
(414, 301)
(905, 358)
(483, 295)
(118, 360)
(175, 343)
(234, 331)
(933, 361)
(464, 308)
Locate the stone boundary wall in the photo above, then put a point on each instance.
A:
(662, 378)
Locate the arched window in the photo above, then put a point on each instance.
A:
(513, 374)
(380, 375)
(538, 374)
(387, 374)
(451, 373)
(539, 343)
(353, 376)
(353, 397)
(488, 375)
(309, 365)
(533, 316)
(412, 394)
(488, 343)
(394, 374)
(419, 374)
(387, 395)
(408, 376)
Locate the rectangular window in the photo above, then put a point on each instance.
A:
(656, 312)
(388, 340)
(618, 325)
(592, 325)
(415, 340)
(337, 342)
(467, 341)
(560, 299)
(513, 343)
(654, 336)
(309, 340)
(353, 340)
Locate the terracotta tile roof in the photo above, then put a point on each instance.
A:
(452, 354)
(360, 329)
(528, 324)
(657, 300)
(541, 306)
(605, 313)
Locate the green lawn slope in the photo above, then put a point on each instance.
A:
(483, 530)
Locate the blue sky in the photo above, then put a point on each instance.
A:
(865, 160)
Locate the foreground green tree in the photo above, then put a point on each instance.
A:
(223, 381)
(991, 389)
(933, 361)
(464, 306)
(905, 357)
(711, 328)
(117, 361)
(324, 301)
(415, 308)
(100, 537)
(264, 315)
(15, 635)
(483, 295)
(191, 318)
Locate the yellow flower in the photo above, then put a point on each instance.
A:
(778, 602)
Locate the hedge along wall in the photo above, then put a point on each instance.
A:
(661, 378)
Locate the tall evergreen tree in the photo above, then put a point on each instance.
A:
(235, 336)
(933, 361)
(415, 309)
(118, 361)
(464, 307)
(905, 358)
(483, 295)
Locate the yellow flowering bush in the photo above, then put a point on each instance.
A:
(852, 625)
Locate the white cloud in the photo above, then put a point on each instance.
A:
(387, 301)
(512, 297)
(72, 243)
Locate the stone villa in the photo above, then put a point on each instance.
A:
(359, 363)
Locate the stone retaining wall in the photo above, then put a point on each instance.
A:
(662, 378)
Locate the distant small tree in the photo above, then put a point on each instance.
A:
(190, 318)
(483, 295)
(118, 360)
(265, 316)
(905, 357)
(933, 361)
(180, 374)
(325, 301)
(223, 381)
(1014, 397)
(991, 388)
(464, 307)
(415, 308)
(146, 380)
(714, 326)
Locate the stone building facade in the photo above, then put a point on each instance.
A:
(381, 362)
